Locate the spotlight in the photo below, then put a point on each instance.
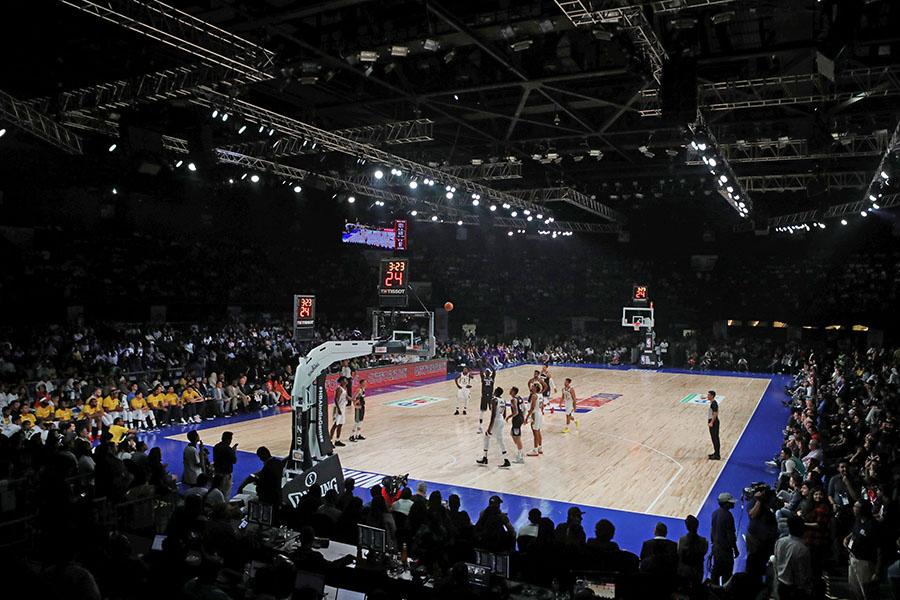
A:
(514, 214)
(434, 217)
(843, 221)
(475, 202)
(724, 178)
(729, 189)
(224, 117)
(712, 163)
(115, 191)
(449, 195)
(2, 131)
(215, 113)
(506, 205)
(413, 213)
(242, 129)
(452, 188)
(351, 199)
(701, 147)
(509, 233)
(884, 175)
(872, 198)
(262, 128)
(271, 131)
(230, 180)
(447, 188)
(243, 176)
(254, 178)
(413, 184)
(493, 207)
(192, 167)
(863, 214)
(526, 211)
(875, 206)
(695, 146)
(379, 174)
(112, 147)
(530, 218)
(540, 216)
(459, 222)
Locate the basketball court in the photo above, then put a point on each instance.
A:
(641, 446)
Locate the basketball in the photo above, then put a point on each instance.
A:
(448, 306)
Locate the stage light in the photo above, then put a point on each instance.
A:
(272, 132)
(434, 217)
(452, 188)
(413, 184)
(509, 232)
(875, 206)
(863, 214)
(242, 129)
(506, 205)
(729, 189)
(215, 113)
(254, 178)
(514, 214)
(351, 199)
(115, 191)
(192, 167)
(475, 202)
(884, 175)
(526, 211)
(262, 128)
(379, 174)
(843, 221)
(459, 222)
(243, 176)
(530, 218)
(872, 198)
(112, 147)
(705, 160)
(724, 178)
(449, 195)
(701, 147)
(224, 117)
(230, 180)
(413, 213)
(493, 207)
(695, 146)
(2, 131)
(539, 216)
(712, 163)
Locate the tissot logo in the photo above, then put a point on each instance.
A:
(310, 479)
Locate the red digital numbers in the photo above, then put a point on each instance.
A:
(395, 274)
(640, 292)
(305, 310)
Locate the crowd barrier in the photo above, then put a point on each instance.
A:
(389, 375)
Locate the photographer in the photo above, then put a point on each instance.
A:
(762, 530)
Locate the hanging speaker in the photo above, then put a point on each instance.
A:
(678, 91)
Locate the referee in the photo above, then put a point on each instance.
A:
(712, 419)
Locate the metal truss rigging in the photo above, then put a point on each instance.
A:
(180, 30)
(795, 182)
(787, 149)
(486, 171)
(832, 212)
(401, 132)
(586, 12)
(852, 85)
(38, 124)
(338, 143)
(160, 85)
(569, 196)
(877, 180)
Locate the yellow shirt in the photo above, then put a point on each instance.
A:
(110, 404)
(88, 410)
(29, 417)
(137, 403)
(118, 433)
(172, 399)
(190, 395)
(156, 400)
(64, 414)
(43, 412)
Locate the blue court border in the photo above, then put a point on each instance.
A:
(761, 439)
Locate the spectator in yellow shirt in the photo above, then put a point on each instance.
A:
(140, 412)
(193, 403)
(118, 431)
(175, 408)
(43, 410)
(26, 415)
(63, 414)
(92, 412)
(112, 406)
(158, 404)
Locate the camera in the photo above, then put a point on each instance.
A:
(392, 484)
(751, 490)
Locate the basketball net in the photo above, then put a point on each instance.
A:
(637, 326)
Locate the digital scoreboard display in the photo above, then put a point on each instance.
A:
(378, 237)
(304, 316)
(393, 282)
(640, 294)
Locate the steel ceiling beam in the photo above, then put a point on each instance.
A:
(180, 30)
(796, 182)
(832, 212)
(877, 181)
(486, 171)
(790, 149)
(587, 12)
(570, 196)
(38, 124)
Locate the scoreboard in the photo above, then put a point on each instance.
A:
(393, 283)
(304, 316)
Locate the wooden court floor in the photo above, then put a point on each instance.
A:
(641, 448)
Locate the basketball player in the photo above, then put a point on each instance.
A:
(340, 411)
(359, 412)
(487, 391)
(536, 381)
(463, 389)
(495, 429)
(535, 416)
(712, 420)
(518, 419)
(547, 380)
(569, 401)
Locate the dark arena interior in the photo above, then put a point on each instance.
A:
(295, 292)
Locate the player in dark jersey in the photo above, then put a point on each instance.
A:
(548, 384)
(518, 419)
(359, 412)
(487, 392)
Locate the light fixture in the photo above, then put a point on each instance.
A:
(526, 211)
(115, 191)
(712, 163)
(297, 189)
(399, 50)
(843, 221)
(514, 214)
(540, 216)
(262, 128)
(271, 131)
(475, 202)
(242, 129)
(2, 131)
(215, 113)
(449, 195)
(729, 189)
(351, 199)
(509, 233)
(379, 174)
(459, 222)
(413, 184)
(192, 167)
(875, 206)
(254, 178)
(431, 45)
(506, 205)
(724, 178)
(368, 56)
(434, 217)
(701, 147)
(413, 213)
(530, 218)
(243, 176)
(224, 117)
(493, 207)
(230, 180)
(872, 198)
(863, 214)
(884, 175)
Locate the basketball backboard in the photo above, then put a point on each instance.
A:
(633, 315)
(415, 329)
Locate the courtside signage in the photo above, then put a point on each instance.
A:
(414, 402)
(699, 399)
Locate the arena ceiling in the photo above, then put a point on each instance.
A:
(552, 106)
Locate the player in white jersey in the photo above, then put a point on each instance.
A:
(517, 415)
(495, 428)
(535, 416)
(340, 411)
(569, 401)
(463, 390)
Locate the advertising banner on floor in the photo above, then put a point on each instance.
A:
(392, 374)
(327, 474)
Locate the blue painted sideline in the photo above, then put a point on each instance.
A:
(760, 440)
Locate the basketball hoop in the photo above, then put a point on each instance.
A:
(637, 326)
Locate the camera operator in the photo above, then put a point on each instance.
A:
(762, 530)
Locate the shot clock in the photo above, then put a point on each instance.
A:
(304, 316)
(640, 295)
(393, 283)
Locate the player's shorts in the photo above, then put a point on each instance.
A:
(570, 407)
(537, 420)
(340, 417)
(359, 414)
(485, 403)
(463, 394)
(516, 430)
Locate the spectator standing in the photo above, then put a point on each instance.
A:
(724, 540)
(191, 458)
(864, 544)
(793, 568)
(224, 459)
(692, 549)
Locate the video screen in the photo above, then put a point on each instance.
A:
(371, 538)
(603, 585)
(497, 563)
(379, 237)
(478, 575)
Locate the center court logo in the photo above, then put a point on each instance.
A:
(699, 399)
(414, 402)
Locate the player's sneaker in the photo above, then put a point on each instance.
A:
(456, 413)
(576, 424)
(352, 438)
(566, 430)
(465, 412)
(359, 438)
(771, 463)
(518, 460)
(482, 462)
(480, 431)
(505, 464)
(534, 452)
(339, 443)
